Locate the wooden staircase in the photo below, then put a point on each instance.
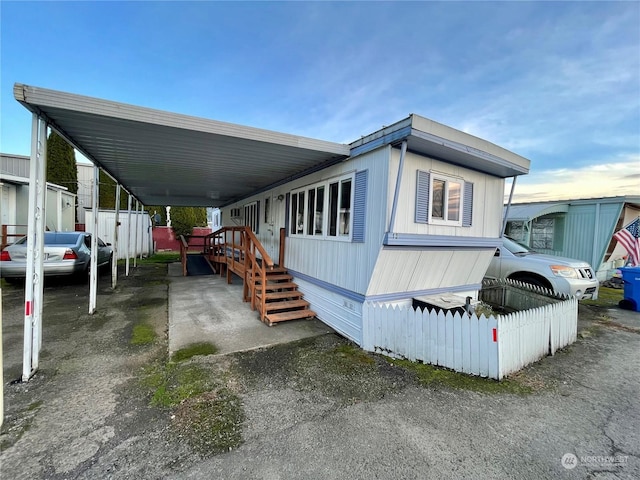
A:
(282, 300)
(269, 287)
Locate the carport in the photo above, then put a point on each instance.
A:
(158, 158)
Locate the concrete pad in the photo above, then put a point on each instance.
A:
(207, 309)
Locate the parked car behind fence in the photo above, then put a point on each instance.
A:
(65, 253)
(561, 275)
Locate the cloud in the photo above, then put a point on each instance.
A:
(621, 177)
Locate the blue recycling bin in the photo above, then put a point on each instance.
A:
(631, 279)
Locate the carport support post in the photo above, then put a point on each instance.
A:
(93, 269)
(142, 223)
(33, 284)
(135, 237)
(114, 263)
(126, 270)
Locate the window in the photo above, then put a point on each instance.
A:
(516, 231)
(297, 213)
(267, 210)
(315, 211)
(542, 233)
(325, 209)
(340, 208)
(252, 216)
(443, 200)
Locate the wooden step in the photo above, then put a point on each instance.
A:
(272, 318)
(277, 277)
(273, 306)
(279, 286)
(276, 269)
(280, 295)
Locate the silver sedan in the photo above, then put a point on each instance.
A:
(65, 253)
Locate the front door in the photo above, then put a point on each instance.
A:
(274, 215)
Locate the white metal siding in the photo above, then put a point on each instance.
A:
(22, 204)
(59, 210)
(85, 180)
(17, 165)
(56, 204)
(341, 263)
(342, 314)
(488, 195)
(106, 222)
(407, 270)
(8, 205)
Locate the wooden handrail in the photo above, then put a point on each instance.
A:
(6, 235)
(283, 235)
(243, 257)
(263, 253)
(258, 270)
(184, 250)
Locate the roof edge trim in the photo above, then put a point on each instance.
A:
(33, 97)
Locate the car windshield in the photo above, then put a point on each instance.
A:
(515, 247)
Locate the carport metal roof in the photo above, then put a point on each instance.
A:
(527, 212)
(165, 158)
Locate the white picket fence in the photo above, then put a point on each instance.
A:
(486, 346)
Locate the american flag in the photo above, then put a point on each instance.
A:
(629, 238)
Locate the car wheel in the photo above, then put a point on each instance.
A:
(83, 276)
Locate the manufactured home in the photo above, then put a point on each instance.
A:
(414, 212)
(580, 228)
(409, 213)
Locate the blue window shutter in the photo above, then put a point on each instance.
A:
(287, 214)
(360, 206)
(467, 207)
(422, 197)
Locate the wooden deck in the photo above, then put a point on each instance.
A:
(269, 287)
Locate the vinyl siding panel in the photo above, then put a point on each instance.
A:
(138, 244)
(17, 165)
(407, 270)
(346, 264)
(342, 314)
(85, 180)
(488, 193)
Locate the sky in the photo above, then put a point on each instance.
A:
(555, 82)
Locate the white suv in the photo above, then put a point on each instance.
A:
(562, 275)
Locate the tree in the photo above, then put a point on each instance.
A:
(61, 163)
(183, 219)
(107, 194)
(160, 210)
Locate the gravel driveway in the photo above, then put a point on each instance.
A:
(317, 408)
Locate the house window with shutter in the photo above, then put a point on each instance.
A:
(443, 200)
(334, 209)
